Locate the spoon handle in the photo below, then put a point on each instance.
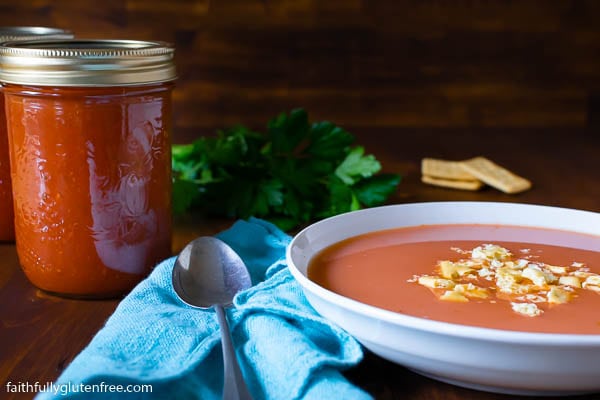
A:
(234, 386)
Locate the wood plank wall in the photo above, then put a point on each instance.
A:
(389, 63)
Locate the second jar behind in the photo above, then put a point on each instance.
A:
(89, 127)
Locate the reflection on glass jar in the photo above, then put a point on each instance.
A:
(13, 33)
(91, 179)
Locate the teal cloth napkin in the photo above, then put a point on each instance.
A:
(286, 350)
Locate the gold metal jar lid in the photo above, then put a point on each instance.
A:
(88, 62)
(9, 33)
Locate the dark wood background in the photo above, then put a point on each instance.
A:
(394, 63)
(412, 78)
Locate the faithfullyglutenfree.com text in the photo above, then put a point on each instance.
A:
(64, 389)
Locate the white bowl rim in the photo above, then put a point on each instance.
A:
(434, 326)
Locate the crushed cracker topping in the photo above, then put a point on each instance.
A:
(519, 280)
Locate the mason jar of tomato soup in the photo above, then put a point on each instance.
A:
(7, 232)
(89, 124)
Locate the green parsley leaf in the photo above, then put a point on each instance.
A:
(356, 166)
(287, 131)
(374, 191)
(185, 193)
(328, 141)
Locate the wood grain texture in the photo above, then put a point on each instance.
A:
(515, 80)
(407, 63)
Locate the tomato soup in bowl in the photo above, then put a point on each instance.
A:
(493, 296)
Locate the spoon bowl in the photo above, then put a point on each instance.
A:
(208, 273)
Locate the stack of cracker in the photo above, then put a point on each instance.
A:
(471, 174)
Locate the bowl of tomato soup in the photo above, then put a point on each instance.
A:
(500, 297)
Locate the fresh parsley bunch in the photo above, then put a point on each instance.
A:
(295, 173)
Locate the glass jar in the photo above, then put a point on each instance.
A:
(89, 124)
(8, 33)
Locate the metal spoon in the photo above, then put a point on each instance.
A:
(208, 273)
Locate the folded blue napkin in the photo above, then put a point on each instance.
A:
(286, 350)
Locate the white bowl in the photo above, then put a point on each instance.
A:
(493, 360)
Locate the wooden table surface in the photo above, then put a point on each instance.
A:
(40, 334)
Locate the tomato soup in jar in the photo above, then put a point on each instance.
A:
(14, 33)
(89, 124)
